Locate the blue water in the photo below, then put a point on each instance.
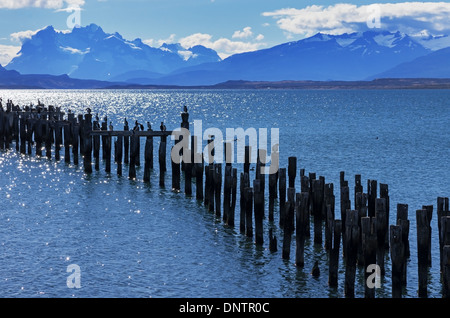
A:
(131, 239)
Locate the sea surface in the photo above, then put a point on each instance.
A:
(131, 239)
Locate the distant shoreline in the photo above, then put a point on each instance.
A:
(317, 85)
(377, 84)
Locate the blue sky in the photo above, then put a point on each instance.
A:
(228, 26)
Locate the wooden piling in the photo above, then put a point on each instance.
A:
(444, 239)
(292, 171)
(429, 209)
(446, 271)
(282, 196)
(75, 142)
(228, 181)
(259, 211)
(381, 226)
(351, 239)
(287, 230)
(398, 260)
(87, 143)
(422, 251)
(403, 222)
(302, 215)
(148, 158)
(334, 254)
(199, 181)
(162, 161)
(176, 178)
(132, 154)
(217, 179)
(272, 194)
(372, 196)
(369, 244)
(248, 212)
(317, 203)
(119, 154)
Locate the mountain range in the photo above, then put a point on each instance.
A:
(88, 53)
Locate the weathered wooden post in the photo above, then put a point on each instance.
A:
(305, 187)
(317, 203)
(126, 143)
(369, 245)
(302, 214)
(58, 140)
(289, 216)
(334, 254)
(444, 239)
(29, 125)
(211, 188)
(429, 209)
(358, 186)
(272, 194)
(381, 221)
(282, 196)
(217, 178)
(398, 260)
(162, 160)
(384, 194)
(259, 211)
(403, 222)
(441, 211)
(292, 171)
(248, 212)
(247, 159)
(446, 271)
(176, 179)
(351, 240)
(372, 196)
(329, 204)
(199, 180)
(228, 180)
(48, 137)
(132, 153)
(119, 153)
(422, 251)
(87, 143)
(231, 215)
(75, 141)
(2, 128)
(23, 134)
(148, 156)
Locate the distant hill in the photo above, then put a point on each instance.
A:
(433, 65)
(13, 79)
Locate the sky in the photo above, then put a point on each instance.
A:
(228, 26)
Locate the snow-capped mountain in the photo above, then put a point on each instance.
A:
(90, 53)
(321, 57)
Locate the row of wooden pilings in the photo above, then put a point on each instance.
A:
(364, 230)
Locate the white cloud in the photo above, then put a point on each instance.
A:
(28, 34)
(7, 53)
(259, 37)
(245, 33)
(408, 17)
(223, 46)
(45, 4)
(23, 35)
